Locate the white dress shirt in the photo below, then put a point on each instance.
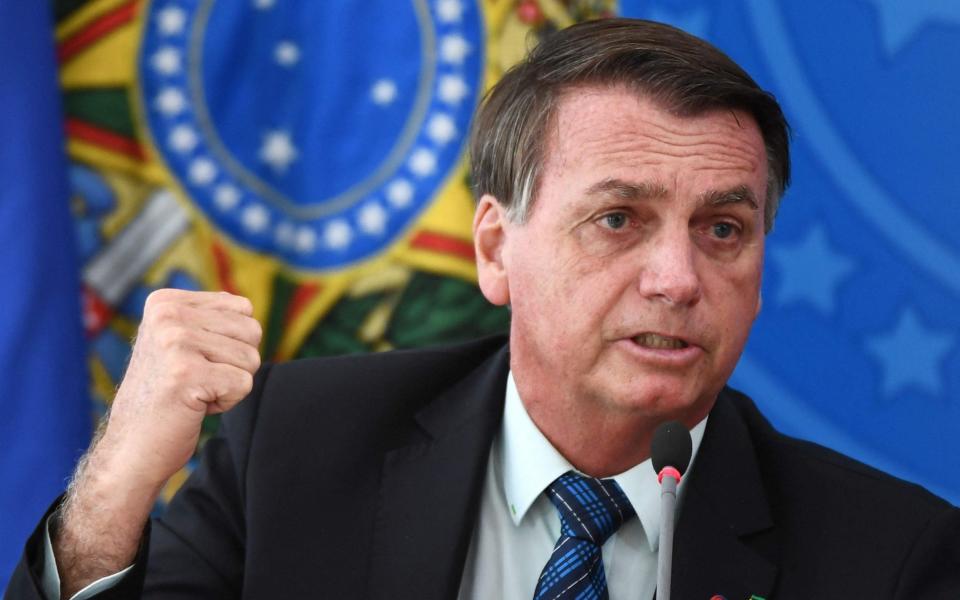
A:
(518, 526)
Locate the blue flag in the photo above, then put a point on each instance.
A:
(45, 417)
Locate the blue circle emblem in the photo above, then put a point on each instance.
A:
(312, 131)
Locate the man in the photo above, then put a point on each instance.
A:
(626, 176)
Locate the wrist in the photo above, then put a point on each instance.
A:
(120, 473)
(97, 530)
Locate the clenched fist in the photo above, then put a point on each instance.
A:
(195, 355)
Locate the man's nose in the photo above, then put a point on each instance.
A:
(669, 272)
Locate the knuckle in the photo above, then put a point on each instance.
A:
(245, 383)
(153, 299)
(166, 340)
(160, 297)
(172, 337)
(230, 392)
(167, 312)
(180, 372)
(257, 330)
(253, 358)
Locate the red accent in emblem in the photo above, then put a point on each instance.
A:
(529, 12)
(106, 139)
(303, 294)
(444, 244)
(96, 312)
(222, 264)
(96, 29)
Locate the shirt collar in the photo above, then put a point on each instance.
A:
(531, 463)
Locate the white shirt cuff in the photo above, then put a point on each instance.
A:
(50, 579)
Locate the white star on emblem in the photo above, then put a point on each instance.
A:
(383, 92)
(166, 61)
(285, 235)
(202, 171)
(337, 234)
(183, 139)
(453, 89)
(171, 20)
(255, 218)
(264, 4)
(286, 53)
(423, 162)
(226, 196)
(453, 49)
(306, 240)
(441, 128)
(170, 101)
(372, 218)
(277, 150)
(449, 11)
(400, 193)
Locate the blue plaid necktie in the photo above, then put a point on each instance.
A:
(591, 510)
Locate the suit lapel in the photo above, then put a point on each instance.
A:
(431, 487)
(724, 505)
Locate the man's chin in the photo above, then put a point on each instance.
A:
(663, 402)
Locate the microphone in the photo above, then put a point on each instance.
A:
(670, 453)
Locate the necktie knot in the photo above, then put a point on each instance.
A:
(590, 509)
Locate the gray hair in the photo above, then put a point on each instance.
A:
(683, 73)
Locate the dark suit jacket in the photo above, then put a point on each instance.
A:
(360, 477)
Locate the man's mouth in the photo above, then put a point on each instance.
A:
(659, 342)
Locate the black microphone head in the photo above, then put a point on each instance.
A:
(671, 447)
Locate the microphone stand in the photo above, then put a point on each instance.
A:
(670, 452)
(669, 478)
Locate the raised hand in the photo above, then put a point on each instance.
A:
(195, 355)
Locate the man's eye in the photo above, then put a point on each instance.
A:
(723, 230)
(615, 220)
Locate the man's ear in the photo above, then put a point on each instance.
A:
(489, 236)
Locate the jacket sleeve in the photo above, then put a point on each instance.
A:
(26, 582)
(196, 548)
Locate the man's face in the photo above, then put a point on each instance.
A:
(636, 278)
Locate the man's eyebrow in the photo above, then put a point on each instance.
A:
(738, 195)
(626, 190)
